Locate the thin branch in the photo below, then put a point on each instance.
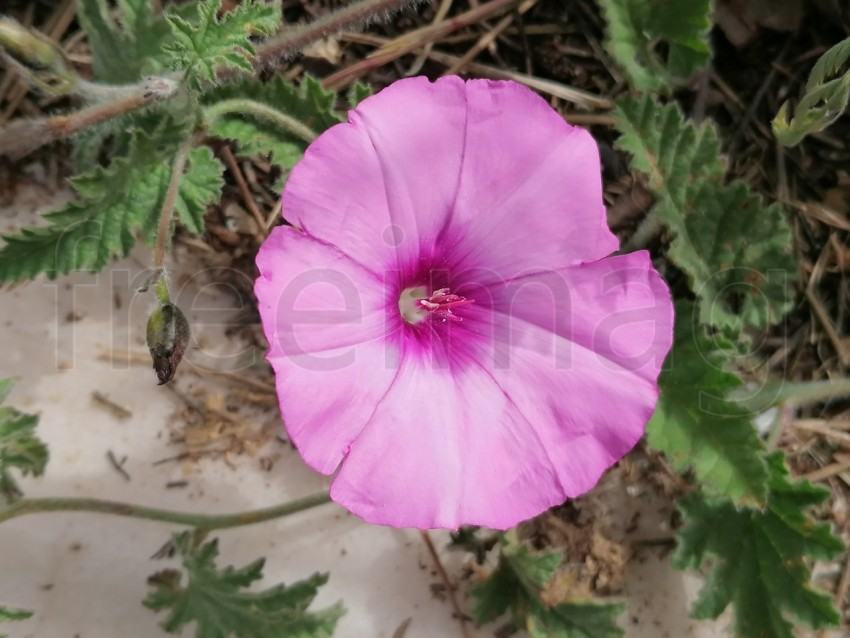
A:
(168, 203)
(22, 137)
(205, 522)
(356, 15)
(447, 582)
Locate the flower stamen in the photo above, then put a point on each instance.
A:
(442, 301)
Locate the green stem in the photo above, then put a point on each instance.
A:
(802, 393)
(262, 111)
(204, 522)
(167, 212)
(646, 231)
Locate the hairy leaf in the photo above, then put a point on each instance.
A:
(128, 46)
(200, 186)
(697, 426)
(111, 206)
(825, 100)
(732, 247)
(20, 448)
(216, 42)
(758, 559)
(309, 104)
(635, 27)
(217, 602)
(358, 92)
(515, 587)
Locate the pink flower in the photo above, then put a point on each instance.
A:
(447, 331)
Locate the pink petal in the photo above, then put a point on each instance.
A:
(617, 307)
(516, 418)
(530, 195)
(445, 448)
(382, 185)
(325, 320)
(580, 354)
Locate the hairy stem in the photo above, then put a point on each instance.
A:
(204, 522)
(355, 15)
(646, 231)
(262, 111)
(22, 137)
(802, 393)
(168, 204)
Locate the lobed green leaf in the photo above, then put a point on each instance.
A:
(309, 103)
(216, 601)
(112, 205)
(126, 44)
(20, 448)
(732, 247)
(759, 560)
(697, 426)
(635, 27)
(213, 41)
(515, 587)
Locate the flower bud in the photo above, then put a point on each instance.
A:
(168, 336)
(37, 58)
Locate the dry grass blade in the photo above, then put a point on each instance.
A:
(411, 41)
(818, 427)
(488, 38)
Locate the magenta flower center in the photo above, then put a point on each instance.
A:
(416, 304)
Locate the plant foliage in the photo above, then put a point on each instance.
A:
(218, 42)
(112, 205)
(309, 104)
(515, 587)
(126, 45)
(825, 99)
(695, 423)
(217, 601)
(13, 614)
(635, 28)
(733, 248)
(759, 559)
(20, 448)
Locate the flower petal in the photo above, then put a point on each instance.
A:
(579, 352)
(381, 186)
(530, 194)
(325, 319)
(445, 448)
(618, 308)
(520, 418)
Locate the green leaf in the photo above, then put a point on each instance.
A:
(217, 602)
(20, 448)
(112, 205)
(200, 187)
(6, 386)
(515, 587)
(213, 42)
(358, 92)
(128, 45)
(310, 104)
(825, 100)
(734, 250)
(636, 26)
(695, 423)
(12, 614)
(759, 559)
